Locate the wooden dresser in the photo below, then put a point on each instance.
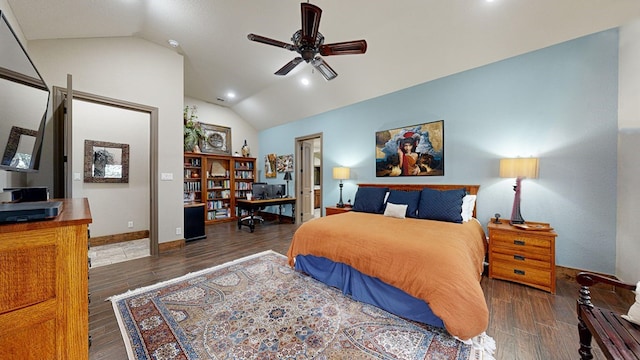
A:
(524, 256)
(44, 305)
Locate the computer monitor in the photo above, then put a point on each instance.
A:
(280, 190)
(260, 191)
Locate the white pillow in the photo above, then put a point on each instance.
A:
(395, 210)
(468, 204)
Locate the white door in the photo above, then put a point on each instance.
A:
(306, 176)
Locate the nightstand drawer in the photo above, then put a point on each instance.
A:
(520, 259)
(520, 240)
(522, 274)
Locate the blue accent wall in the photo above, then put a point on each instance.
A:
(558, 103)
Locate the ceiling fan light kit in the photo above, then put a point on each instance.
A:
(309, 43)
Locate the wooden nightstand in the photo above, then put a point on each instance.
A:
(332, 210)
(524, 256)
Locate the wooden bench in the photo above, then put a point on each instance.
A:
(617, 338)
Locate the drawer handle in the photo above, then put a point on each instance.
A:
(518, 242)
(518, 257)
(518, 272)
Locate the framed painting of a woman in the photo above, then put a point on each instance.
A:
(416, 150)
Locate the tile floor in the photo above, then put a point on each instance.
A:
(115, 253)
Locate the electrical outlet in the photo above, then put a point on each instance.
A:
(130, 224)
(178, 231)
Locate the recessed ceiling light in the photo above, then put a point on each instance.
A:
(231, 95)
(173, 43)
(304, 81)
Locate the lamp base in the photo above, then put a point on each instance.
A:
(516, 217)
(340, 204)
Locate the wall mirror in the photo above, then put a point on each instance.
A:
(106, 162)
(24, 99)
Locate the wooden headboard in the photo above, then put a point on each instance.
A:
(471, 189)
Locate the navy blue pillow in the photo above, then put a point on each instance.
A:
(409, 198)
(370, 200)
(441, 205)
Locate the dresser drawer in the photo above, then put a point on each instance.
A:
(516, 243)
(522, 274)
(521, 259)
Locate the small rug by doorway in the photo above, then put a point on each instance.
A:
(257, 307)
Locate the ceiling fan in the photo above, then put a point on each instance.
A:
(309, 42)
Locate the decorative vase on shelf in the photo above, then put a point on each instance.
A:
(246, 152)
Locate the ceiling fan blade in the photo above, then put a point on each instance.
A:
(310, 22)
(266, 40)
(324, 68)
(344, 48)
(289, 66)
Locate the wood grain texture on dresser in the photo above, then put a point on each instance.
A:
(44, 306)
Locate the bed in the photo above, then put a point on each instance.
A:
(404, 249)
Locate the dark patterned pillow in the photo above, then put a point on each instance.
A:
(441, 205)
(409, 198)
(370, 200)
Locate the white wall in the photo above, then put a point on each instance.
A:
(627, 239)
(113, 205)
(133, 70)
(219, 115)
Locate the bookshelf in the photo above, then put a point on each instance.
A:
(220, 181)
(218, 188)
(192, 181)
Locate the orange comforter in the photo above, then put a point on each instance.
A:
(438, 262)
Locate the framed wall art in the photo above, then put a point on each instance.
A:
(270, 161)
(17, 153)
(106, 162)
(284, 163)
(216, 139)
(416, 150)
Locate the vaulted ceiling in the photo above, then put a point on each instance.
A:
(409, 42)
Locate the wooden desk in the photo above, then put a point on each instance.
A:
(254, 205)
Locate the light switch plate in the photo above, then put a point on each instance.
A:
(166, 176)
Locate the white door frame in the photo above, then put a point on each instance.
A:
(63, 154)
(301, 168)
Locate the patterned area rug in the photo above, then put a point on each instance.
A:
(258, 307)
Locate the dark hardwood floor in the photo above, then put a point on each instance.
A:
(526, 323)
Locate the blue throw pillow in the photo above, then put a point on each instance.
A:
(441, 205)
(409, 198)
(370, 200)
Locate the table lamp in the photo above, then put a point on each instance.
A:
(287, 178)
(518, 168)
(340, 173)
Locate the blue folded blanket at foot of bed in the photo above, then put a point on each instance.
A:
(367, 289)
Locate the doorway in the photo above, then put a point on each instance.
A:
(68, 154)
(308, 170)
